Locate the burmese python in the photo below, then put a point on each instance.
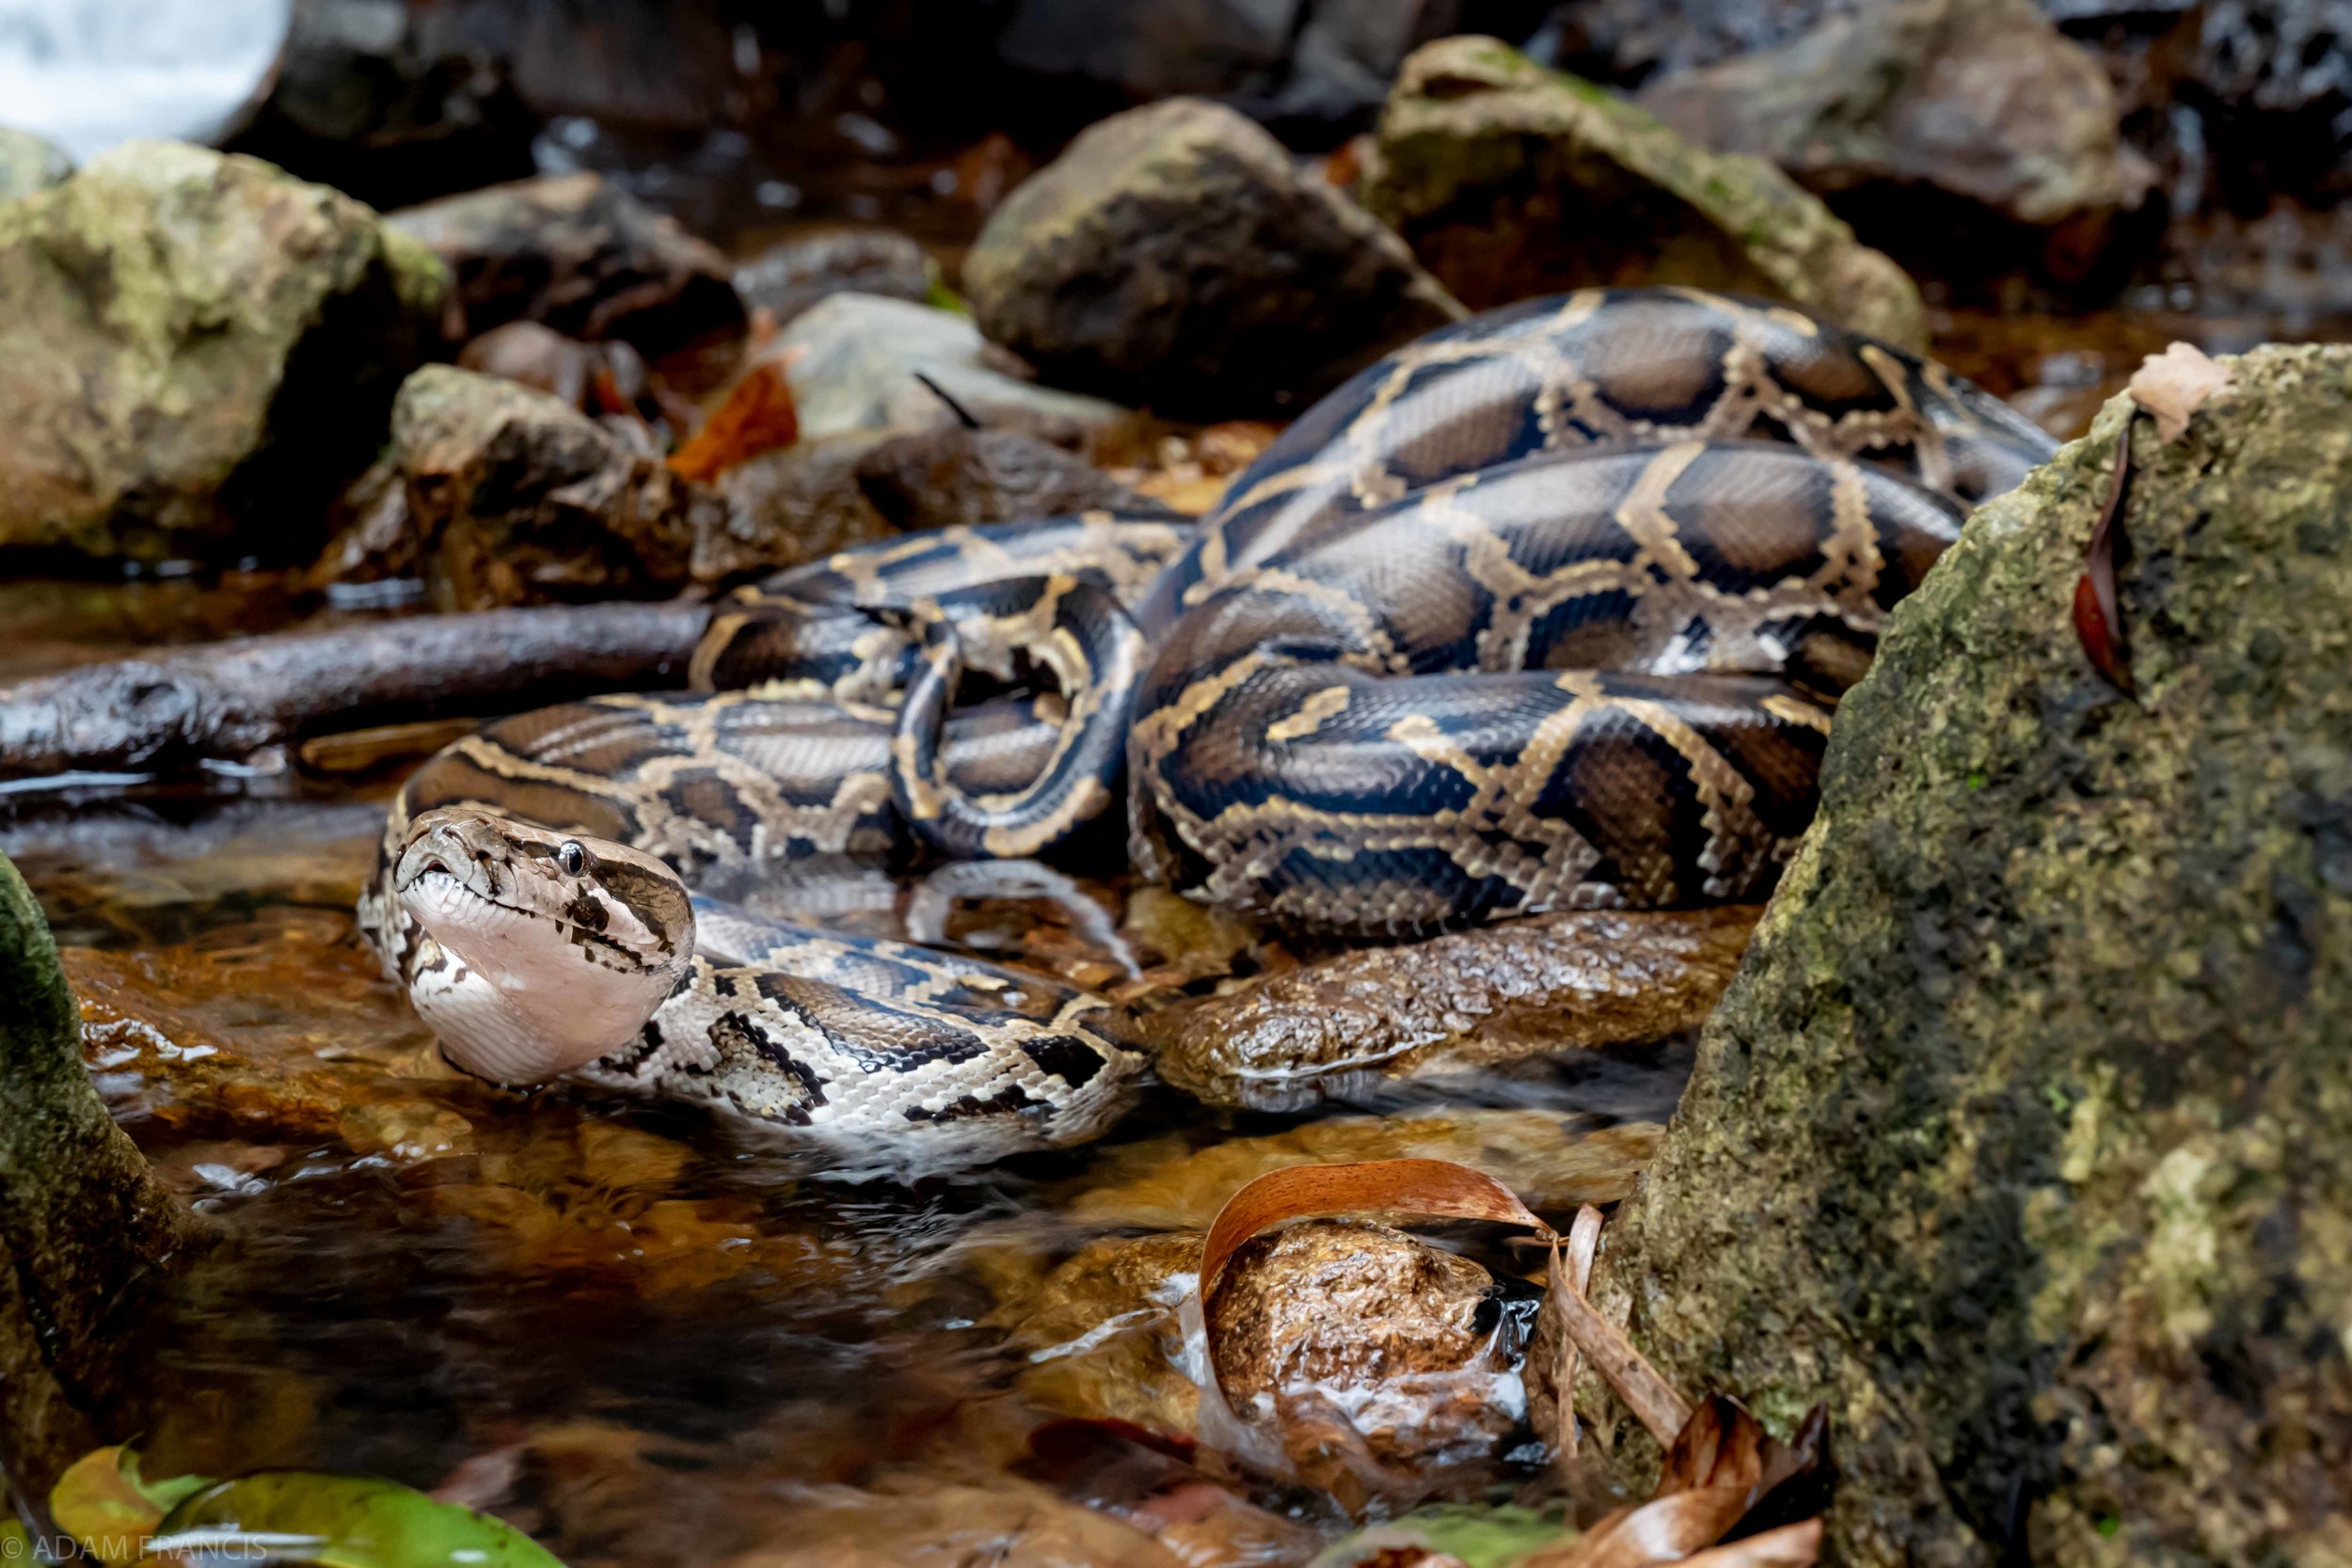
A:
(1546, 608)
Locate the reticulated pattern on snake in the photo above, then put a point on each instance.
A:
(1547, 608)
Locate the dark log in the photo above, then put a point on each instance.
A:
(228, 700)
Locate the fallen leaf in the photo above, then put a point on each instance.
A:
(758, 415)
(2175, 384)
(1796, 1545)
(2098, 616)
(1434, 1187)
(106, 1505)
(337, 1521)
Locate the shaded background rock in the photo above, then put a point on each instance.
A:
(790, 505)
(1509, 181)
(387, 102)
(198, 353)
(944, 477)
(789, 277)
(518, 499)
(29, 163)
(1940, 125)
(580, 254)
(853, 361)
(1174, 257)
(2056, 1206)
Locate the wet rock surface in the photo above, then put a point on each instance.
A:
(516, 499)
(388, 103)
(789, 277)
(198, 353)
(578, 254)
(1175, 256)
(946, 478)
(1932, 117)
(1517, 992)
(29, 163)
(2023, 1138)
(854, 360)
(1510, 181)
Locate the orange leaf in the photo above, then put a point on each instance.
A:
(758, 415)
(1436, 1187)
(1797, 1546)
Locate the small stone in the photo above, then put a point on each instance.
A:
(197, 354)
(786, 279)
(949, 477)
(580, 255)
(856, 359)
(1176, 256)
(519, 499)
(29, 163)
(1510, 181)
(1978, 111)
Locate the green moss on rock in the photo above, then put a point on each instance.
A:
(1509, 181)
(197, 352)
(2024, 1138)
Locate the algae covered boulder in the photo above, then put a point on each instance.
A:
(1175, 256)
(2023, 1137)
(197, 352)
(1510, 181)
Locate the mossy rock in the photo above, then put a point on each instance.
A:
(1510, 181)
(198, 353)
(2023, 1137)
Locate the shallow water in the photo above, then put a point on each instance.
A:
(637, 1331)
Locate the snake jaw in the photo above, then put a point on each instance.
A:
(533, 969)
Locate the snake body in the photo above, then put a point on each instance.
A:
(1547, 609)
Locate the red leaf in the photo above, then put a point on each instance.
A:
(758, 415)
(2098, 620)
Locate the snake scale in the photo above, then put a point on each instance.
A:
(1547, 608)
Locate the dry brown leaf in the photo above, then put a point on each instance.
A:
(1434, 1187)
(758, 415)
(1647, 1393)
(1721, 1445)
(1665, 1529)
(2175, 384)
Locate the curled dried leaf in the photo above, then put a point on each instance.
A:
(2098, 616)
(1433, 1187)
(2175, 384)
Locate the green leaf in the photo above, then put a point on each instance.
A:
(343, 1522)
(1481, 1537)
(16, 1543)
(103, 1503)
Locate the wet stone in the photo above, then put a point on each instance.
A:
(578, 254)
(1523, 991)
(955, 476)
(789, 277)
(1509, 181)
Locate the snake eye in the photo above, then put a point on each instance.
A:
(571, 857)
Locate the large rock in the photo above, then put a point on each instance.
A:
(197, 352)
(1924, 118)
(1175, 256)
(580, 255)
(1510, 181)
(31, 162)
(84, 1229)
(387, 102)
(2024, 1138)
(517, 498)
(858, 361)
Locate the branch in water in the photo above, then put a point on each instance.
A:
(228, 700)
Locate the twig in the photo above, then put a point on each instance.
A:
(1645, 1391)
(941, 393)
(228, 700)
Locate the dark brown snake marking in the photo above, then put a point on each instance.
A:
(1545, 609)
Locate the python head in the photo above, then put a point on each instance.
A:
(554, 949)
